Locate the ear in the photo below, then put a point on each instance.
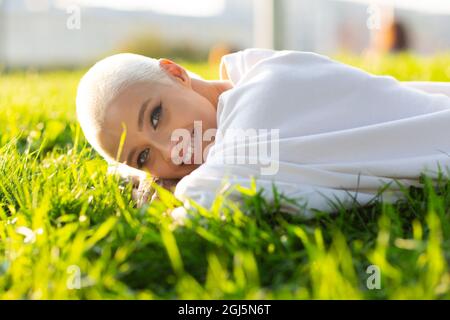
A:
(175, 70)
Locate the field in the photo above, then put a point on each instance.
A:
(68, 231)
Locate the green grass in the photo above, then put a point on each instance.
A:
(61, 216)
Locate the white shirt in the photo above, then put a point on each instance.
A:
(336, 123)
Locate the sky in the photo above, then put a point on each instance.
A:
(425, 6)
(197, 8)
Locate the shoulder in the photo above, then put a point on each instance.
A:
(276, 61)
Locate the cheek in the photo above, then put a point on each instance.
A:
(162, 168)
(206, 112)
(168, 172)
(199, 106)
(190, 113)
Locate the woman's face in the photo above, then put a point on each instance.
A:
(151, 114)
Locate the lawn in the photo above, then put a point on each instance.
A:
(68, 231)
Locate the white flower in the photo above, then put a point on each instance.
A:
(179, 214)
(29, 235)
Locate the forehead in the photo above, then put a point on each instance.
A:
(128, 102)
(123, 111)
(109, 141)
(132, 94)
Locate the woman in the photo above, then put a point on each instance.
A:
(318, 129)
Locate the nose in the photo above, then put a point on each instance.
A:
(168, 145)
(168, 149)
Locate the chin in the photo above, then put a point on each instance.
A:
(190, 167)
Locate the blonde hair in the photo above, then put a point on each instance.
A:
(104, 82)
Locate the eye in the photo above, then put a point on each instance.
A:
(142, 158)
(155, 116)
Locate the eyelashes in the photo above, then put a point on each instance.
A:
(154, 120)
(155, 116)
(142, 157)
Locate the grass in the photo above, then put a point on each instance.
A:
(68, 231)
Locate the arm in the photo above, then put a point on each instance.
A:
(429, 86)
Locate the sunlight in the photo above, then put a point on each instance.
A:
(430, 6)
(196, 8)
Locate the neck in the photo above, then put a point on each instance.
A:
(211, 89)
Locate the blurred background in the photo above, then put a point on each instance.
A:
(60, 211)
(46, 34)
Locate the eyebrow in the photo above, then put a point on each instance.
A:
(141, 114)
(130, 156)
(140, 125)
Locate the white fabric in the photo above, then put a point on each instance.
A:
(337, 123)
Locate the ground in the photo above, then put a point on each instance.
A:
(68, 231)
